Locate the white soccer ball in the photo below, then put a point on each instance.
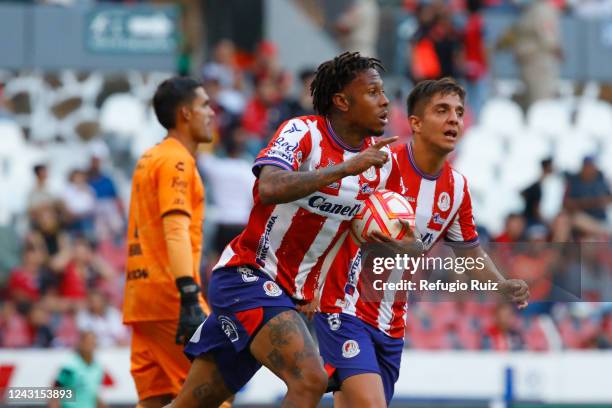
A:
(382, 212)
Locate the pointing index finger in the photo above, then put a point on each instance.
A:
(384, 142)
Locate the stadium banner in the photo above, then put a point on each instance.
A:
(132, 30)
(562, 377)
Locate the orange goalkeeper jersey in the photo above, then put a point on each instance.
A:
(165, 179)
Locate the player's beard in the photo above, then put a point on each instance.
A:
(373, 132)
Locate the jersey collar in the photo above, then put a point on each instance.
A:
(338, 141)
(426, 176)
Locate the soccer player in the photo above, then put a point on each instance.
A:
(361, 340)
(163, 304)
(312, 179)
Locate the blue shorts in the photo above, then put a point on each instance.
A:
(242, 300)
(351, 347)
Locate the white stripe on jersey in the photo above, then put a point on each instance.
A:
(329, 259)
(454, 231)
(282, 212)
(225, 257)
(425, 202)
(319, 245)
(385, 311)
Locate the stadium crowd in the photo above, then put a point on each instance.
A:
(70, 272)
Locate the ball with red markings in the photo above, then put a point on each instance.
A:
(382, 212)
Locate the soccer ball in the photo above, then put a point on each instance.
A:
(382, 211)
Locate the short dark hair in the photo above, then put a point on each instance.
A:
(425, 90)
(333, 75)
(171, 94)
(39, 168)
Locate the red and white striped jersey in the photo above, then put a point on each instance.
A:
(443, 209)
(294, 243)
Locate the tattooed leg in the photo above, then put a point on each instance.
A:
(204, 386)
(286, 348)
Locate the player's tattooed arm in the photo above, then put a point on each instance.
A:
(282, 186)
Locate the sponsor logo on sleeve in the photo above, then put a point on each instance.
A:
(350, 349)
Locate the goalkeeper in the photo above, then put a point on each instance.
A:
(163, 301)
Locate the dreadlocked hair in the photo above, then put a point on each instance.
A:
(333, 75)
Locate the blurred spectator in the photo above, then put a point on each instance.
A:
(48, 232)
(447, 43)
(543, 199)
(103, 319)
(587, 198)
(533, 262)
(39, 321)
(83, 375)
(30, 280)
(514, 229)
(84, 271)
(357, 27)
(5, 111)
(475, 60)
(266, 64)
(535, 40)
(398, 125)
(256, 118)
(224, 61)
(503, 334)
(221, 89)
(108, 208)
(604, 338)
(80, 202)
(289, 107)
(14, 330)
(41, 195)
(229, 180)
(424, 60)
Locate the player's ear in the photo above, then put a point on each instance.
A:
(185, 112)
(415, 123)
(341, 102)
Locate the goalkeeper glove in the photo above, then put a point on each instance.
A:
(191, 315)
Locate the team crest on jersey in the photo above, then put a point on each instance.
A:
(247, 274)
(334, 321)
(229, 328)
(444, 201)
(298, 157)
(350, 349)
(272, 289)
(370, 174)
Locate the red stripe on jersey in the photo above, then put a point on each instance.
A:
(333, 157)
(466, 215)
(398, 322)
(312, 280)
(250, 319)
(295, 245)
